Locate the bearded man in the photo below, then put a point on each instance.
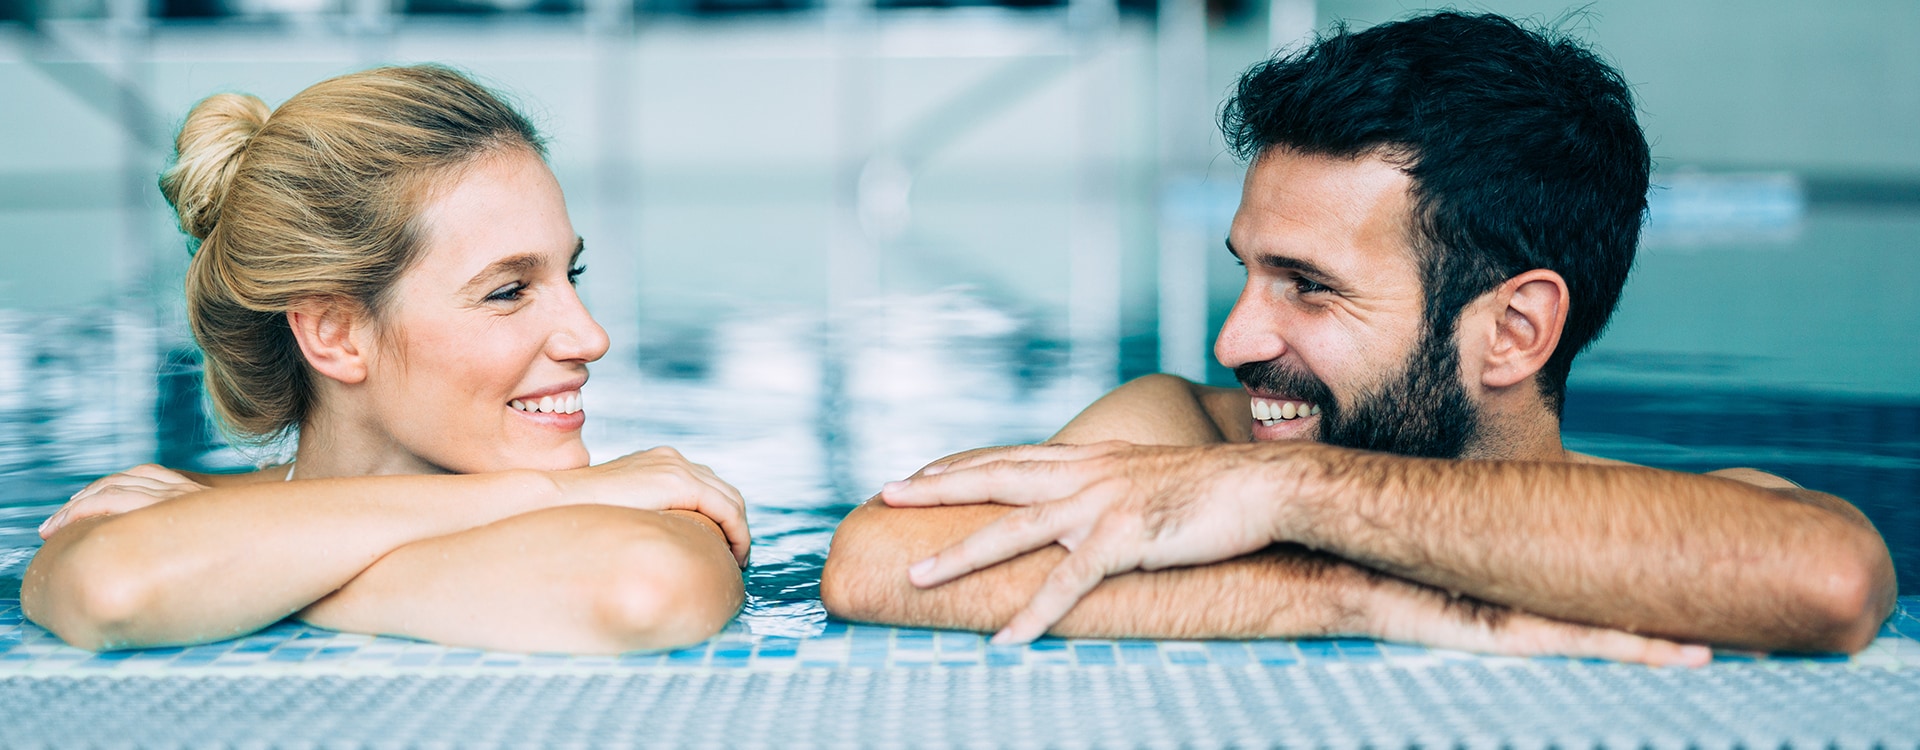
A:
(1438, 215)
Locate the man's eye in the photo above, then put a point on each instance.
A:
(508, 293)
(1309, 286)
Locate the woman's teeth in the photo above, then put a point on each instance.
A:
(567, 403)
(1272, 412)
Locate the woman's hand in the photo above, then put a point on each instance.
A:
(662, 479)
(132, 489)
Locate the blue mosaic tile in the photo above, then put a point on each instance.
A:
(1094, 654)
(1141, 653)
(839, 645)
(1228, 653)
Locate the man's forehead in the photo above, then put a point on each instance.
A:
(1338, 213)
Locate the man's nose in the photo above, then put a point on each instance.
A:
(1251, 334)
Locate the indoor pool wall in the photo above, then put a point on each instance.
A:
(1004, 259)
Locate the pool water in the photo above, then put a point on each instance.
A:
(841, 405)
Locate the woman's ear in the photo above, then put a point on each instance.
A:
(1532, 311)
(331, 336)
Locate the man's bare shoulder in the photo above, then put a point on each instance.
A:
(1751, 476)
(1231, 411)
(1160, 409)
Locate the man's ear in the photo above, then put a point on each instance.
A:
(1532, 312)
(332, 338)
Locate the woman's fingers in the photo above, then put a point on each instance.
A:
(668, 481)
(710, 496)
(722, 503)
(120, 496)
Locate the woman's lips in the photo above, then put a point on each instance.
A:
(565, 410)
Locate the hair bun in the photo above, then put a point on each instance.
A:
(207, 154)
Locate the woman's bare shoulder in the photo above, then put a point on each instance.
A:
(267, 473)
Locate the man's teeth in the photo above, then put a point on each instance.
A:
(1270, 412)
(565, 404)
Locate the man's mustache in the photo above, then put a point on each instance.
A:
(1271, 377)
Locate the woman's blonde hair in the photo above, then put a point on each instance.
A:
(316, 200)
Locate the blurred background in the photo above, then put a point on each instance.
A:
(835, 239)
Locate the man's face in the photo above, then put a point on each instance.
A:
(1328, 336)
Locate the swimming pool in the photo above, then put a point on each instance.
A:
(843, 404)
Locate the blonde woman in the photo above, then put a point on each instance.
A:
(385, 269)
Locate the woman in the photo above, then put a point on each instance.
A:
(385, 269)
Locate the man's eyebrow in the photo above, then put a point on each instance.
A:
(1270, 260)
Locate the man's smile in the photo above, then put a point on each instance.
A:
(1271, 411)
(1281, 417)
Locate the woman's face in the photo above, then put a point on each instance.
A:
(484, 343)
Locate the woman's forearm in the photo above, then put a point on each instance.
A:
(582, 578)
(229, 560)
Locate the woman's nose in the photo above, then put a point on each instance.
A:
(580, 337)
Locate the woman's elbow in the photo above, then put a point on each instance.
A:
(89, 605)
(664, 595)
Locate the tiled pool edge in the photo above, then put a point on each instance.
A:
(294, 650)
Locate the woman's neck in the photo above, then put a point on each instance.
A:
(330, 447)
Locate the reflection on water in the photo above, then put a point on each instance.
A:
(808, 414)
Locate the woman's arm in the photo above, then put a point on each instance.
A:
(225, 561)
(581, 579)
(229, 560)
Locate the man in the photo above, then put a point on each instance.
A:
(1438, 215)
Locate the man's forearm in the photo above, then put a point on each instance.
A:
(1684, 556)
(1281, 592)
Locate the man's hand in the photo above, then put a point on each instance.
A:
(662, 479)
(1116, 507)
(129, 490)
(1394, 609)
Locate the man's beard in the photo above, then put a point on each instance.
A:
(1423, 412)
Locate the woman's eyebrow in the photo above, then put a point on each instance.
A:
(512, 264)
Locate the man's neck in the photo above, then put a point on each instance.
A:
(1517, 429)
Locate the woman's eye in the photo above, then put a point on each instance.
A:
(573, 274)
(508, 293)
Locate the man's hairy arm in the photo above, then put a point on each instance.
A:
(1723, 559)
(1283, 591)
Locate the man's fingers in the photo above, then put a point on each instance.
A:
(1009, 483)
(1530, 635)
(1065, 587)
(1046, 452)
(1023, 530)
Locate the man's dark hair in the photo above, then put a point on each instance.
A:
(1521, 145)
